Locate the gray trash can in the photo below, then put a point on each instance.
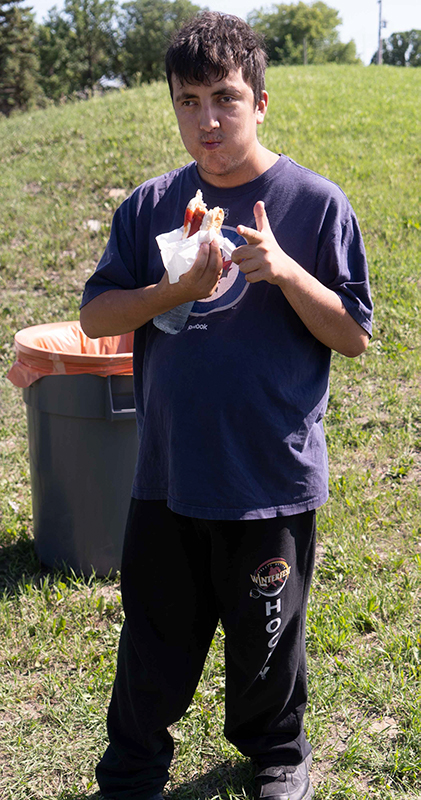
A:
(82, 449)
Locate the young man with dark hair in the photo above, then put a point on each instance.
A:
(232, 459)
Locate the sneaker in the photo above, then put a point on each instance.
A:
(284, 783)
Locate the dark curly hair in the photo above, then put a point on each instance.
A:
(211, 44)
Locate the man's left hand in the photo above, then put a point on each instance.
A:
(320, 308)
(261, 259)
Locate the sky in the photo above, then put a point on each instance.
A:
(360, 17)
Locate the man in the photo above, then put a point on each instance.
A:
(232, 460)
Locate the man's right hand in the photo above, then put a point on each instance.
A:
(120, 311)
(200, 281)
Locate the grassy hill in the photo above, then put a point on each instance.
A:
(61, 168)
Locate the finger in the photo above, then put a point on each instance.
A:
(254, 276)
(262, 222)
(243, 252)
(236, 255)
(250, 234)
(247, 266)
(202, 257)
(215, 255)
(213, 269)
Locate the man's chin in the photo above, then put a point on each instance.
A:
(227, 176)
(218, 174)
(214, 169)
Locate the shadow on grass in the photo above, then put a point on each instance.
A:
(78, 796)
(224, 781)
(19, 564)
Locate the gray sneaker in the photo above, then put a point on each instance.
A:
(284, 783)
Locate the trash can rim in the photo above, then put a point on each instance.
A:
(24, 343)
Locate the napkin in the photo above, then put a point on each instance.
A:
(179, 255)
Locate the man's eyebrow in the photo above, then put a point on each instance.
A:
(185, 95)
(190, 94)
(227, 89)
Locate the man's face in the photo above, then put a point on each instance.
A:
(218, 128)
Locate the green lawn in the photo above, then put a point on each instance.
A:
(60, 168)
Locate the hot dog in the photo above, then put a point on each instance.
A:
(198, 217)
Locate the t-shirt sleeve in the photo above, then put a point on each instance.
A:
(342, 267)
(117, 268)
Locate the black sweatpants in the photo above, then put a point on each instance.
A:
(179, 577)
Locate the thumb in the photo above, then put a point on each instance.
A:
(262, 222)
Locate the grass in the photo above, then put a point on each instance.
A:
(59, 169)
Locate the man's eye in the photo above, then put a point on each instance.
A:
(226, 98)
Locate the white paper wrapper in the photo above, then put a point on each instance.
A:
(178, 254)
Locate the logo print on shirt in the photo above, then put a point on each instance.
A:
(231, 286)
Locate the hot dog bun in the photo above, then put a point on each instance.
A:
(197, 217)
(213, 219)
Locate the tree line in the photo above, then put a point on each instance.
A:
(401, 50)
(89, 40)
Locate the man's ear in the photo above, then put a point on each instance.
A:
(262, 107)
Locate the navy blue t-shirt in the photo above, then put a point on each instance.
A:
(230, 409)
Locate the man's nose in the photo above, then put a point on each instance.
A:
(208, 118)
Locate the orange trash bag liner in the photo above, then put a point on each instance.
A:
(61, 348)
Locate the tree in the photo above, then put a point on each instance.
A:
(342, 53)
(401, 49)
(19, 86)
(59, 75)
(77, 46)
(301, 33)
(93, 37)
(146, 29)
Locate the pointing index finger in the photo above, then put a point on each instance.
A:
(250, 234)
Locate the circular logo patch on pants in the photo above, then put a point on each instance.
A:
(269, 579)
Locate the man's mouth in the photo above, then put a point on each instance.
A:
(211, 144)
